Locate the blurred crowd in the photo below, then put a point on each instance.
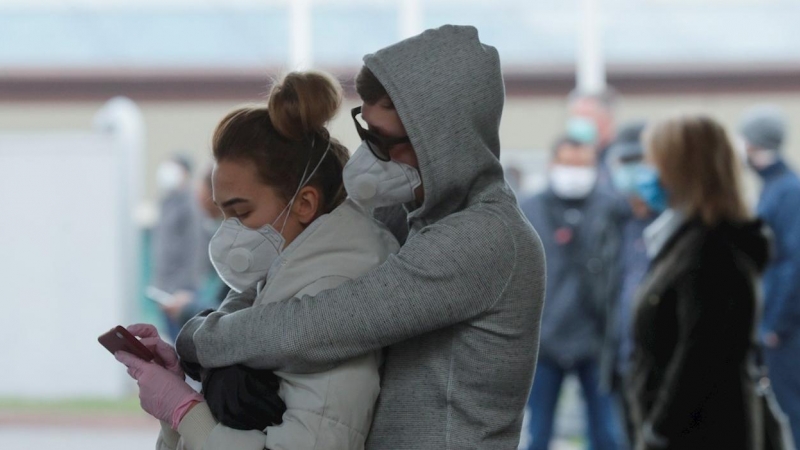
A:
(662, 285)
(666, 295)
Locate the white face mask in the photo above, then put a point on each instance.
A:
(572, 183)
(373, 183)
(169, 176)
(761, 159)
(242, 256)
(756, 158)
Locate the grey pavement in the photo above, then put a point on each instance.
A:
(34, 437)
(31, 437)
(19, 431)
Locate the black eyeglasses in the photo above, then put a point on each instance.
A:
(378, 145)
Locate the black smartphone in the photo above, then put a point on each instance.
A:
(118, 338)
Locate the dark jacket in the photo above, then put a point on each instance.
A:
(778, 207)
(618, 344)
(581, 240)
(694, 333)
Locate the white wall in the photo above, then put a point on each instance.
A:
(67, 260)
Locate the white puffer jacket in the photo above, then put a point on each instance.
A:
(330, 410)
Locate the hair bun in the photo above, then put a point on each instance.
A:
(303, 102)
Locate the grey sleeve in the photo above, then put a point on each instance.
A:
(184, 343)
(395, 219)
(444, 275)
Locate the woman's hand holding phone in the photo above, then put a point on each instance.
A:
(165, 354)
(162, 394)
(154, 364)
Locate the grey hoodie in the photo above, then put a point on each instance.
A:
(458, 308)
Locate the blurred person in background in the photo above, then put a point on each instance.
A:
(177, 251)
(690, 384)
(578, 223)
(599, 109)
(626, 161)
(514, 177)
(212, 290)
(763, 131)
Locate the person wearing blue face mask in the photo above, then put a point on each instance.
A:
(647, 183)
(690, 384)
(288, 231)
(626, 162)
(578, 223)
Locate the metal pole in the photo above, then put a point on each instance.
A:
(301, 56)
(591, 70)
(410, 18)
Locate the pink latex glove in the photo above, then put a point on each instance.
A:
(165, 353)
(162, 394)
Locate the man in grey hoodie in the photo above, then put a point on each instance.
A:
(458, 308)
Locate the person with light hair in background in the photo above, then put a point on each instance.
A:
(763, 135)
(690, 380)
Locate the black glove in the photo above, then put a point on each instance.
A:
(243, 398)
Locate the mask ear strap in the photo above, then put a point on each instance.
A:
(304, 180)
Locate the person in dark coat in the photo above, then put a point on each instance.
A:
(691, 385)
(763, 132)
(578, 223)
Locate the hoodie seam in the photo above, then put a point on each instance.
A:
(513, 268)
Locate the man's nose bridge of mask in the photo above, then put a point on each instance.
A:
(374, 183)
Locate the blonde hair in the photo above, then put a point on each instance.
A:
(698, 167)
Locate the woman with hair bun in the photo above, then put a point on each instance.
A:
(288, 231)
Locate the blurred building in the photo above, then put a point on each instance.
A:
(187, 63)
